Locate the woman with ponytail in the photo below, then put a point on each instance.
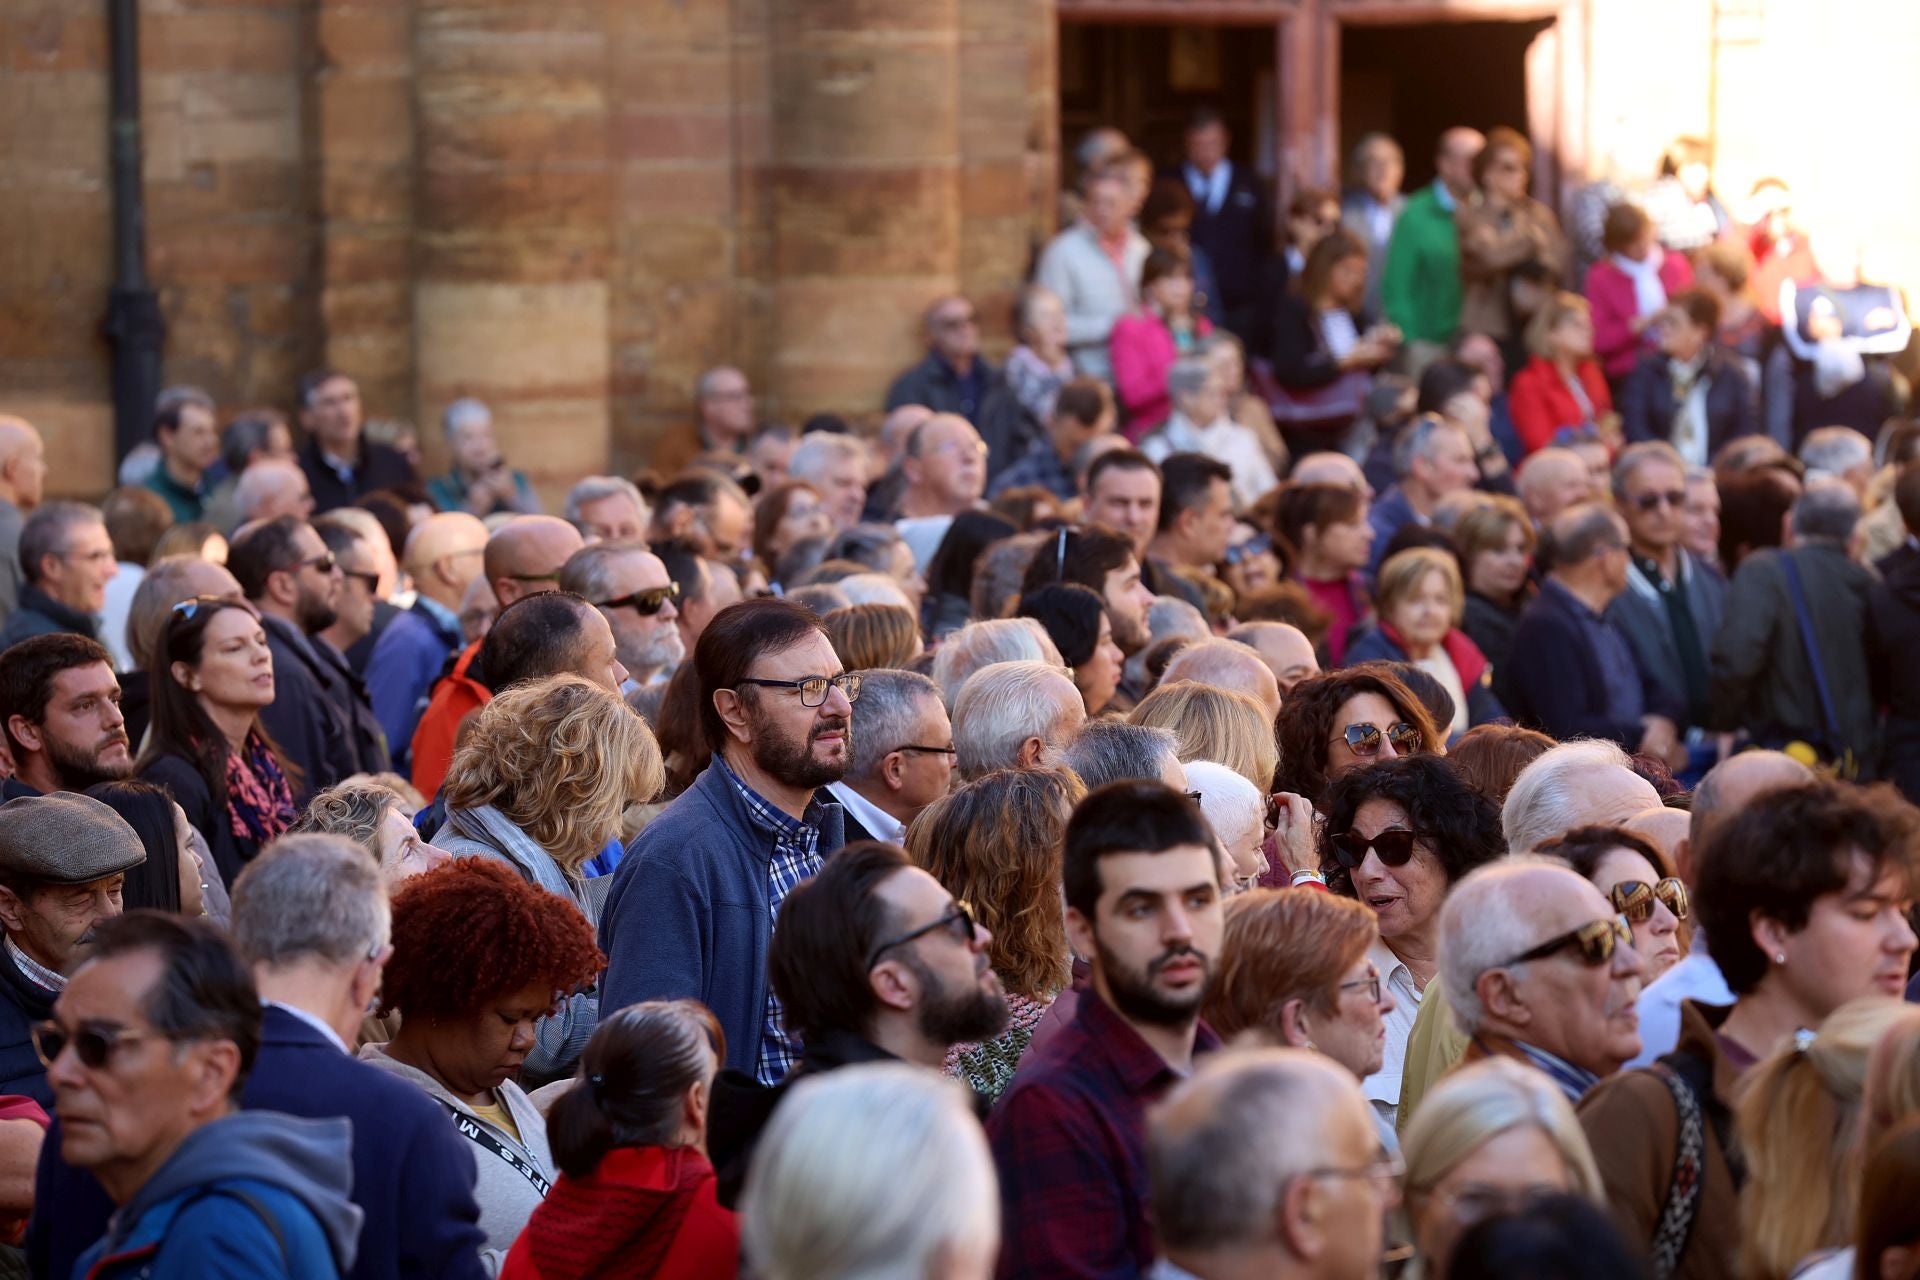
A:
(636, 1195)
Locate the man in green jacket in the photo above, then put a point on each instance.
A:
(1420, 287)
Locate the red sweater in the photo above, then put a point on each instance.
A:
(647, 1213)
(1542, 403)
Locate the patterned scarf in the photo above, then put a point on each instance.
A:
(259, 798)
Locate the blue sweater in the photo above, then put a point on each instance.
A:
(689, 912)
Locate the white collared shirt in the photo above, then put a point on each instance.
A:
(882, 825)
(1696, 977)
(1383, 1086)
(332, 1036)
(1210, 189)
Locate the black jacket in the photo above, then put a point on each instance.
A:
(181, 777)
(1301, 360)
(1733, 402)
(1556, 678)
(309, 719)
(998, 417)
(349, 694)
(39, 614)
(1492, 627)
(1893, 640)
(22, 1003)
(380, 467)
(1237, 238)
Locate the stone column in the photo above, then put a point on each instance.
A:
(865, 178)
(514, 216)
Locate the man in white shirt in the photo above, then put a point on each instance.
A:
(902, 755)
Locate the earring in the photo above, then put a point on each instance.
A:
(1779, 957)
(1313, 1046)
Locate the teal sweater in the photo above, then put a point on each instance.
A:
(1420, 286)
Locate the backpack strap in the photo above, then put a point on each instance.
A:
(1682, 1204)
(258, 1209)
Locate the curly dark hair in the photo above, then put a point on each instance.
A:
(471, 931)
(1304, 727)
(1461, 825)
(1787, 849)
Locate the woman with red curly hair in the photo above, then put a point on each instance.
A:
(479, 956)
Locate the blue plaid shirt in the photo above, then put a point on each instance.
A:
(796, 857)
(1573, 1081)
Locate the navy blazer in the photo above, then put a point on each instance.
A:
(1554, 675)
(413, 1174)
(1733, 401)
(1237, 237)
(1641, 616)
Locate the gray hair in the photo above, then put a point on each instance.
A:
(873, 588)
(869, 544)
(1831, 452)
(463, 411)
(594, 488)
(1484, 925)
(1582, 530)
(1233, 806)
(1636, 456)
(890, 702)
(1416, 440)
(1189, 374)
(703, 385)
(1548, 797)
(982, 644)
(310, 896)
(260, 482)
(1172, 616)
(49, 529)
(1828, 512)
(819, 451)
(1003, 705)
(871, 1172)
(1114, 751)
(589, 572)
(821, 597)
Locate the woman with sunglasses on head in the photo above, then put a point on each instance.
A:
(1804, 896)
(1347, 720)
(544, 773)
(1398, 836)
(212, 675)
(1639, 883)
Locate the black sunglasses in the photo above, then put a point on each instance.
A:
(1364, 739)
(1395, 847)
(371, 581)
(959, 920)
(325, 562)
(646, 603)
(94, 1045)
(1595, 941)
(1634, 899)
(932, 751)
(1675, 498)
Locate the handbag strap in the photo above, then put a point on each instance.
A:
(1682, 1205)
(1830, 723)
(474, 1132)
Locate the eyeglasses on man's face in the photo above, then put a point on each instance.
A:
(94, 1044)
(958, 921)
(1594, 942)
(645, 603)
(813, 689)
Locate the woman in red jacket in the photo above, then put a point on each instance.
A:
(636, 1196)
(1562, 387)
(1629, 288)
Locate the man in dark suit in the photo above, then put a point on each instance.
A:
(1572, 673)
(342, 465)
(1691, 393)
(310, 916)
(902, 755)
(1231, 223)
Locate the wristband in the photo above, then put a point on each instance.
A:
(1313, 878)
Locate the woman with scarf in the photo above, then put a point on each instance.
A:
(211, 677)
(1629, 288)
(1420, 599)
(541, 782)
(636, 1193)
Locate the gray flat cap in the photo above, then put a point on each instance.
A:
(65, 838)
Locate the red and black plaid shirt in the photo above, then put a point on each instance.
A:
(1069, 1139)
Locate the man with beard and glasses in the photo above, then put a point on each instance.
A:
(695, 901)
(630, 587)
(60, 710)
(874, 962)
(1142, 882)
(320, 721)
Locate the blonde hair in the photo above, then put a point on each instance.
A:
(1214, 724)
(1482, 1100)
(1893, 1078)
(561, 758)
(1556, 308)
(867, 637)
(1798, 1126)
(1405, 571)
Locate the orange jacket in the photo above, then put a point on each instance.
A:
(454, 699)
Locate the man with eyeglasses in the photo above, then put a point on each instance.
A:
(318, 719)
(1673, 604)
(148, 1050)
(630, 587)
(696, 898)
(63, 859)
(66, 559)
(1267, 1163)
(873, 962)
(1572, 673)
(945, 464)
(903, 755)
(1538, 965)
(1142, 882)
(955, 378)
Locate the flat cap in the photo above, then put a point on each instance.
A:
(65, 838)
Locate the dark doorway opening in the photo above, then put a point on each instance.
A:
(1414, 81)
(1146, 79)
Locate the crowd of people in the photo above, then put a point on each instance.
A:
(1242, 788)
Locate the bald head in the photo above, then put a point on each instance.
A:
(524, 555)
(1552, 480)
(1664, 828)
(1331, 468)
(1285, 649)
(894, 430)
(1227, 665)
(444, 553)
(272, 488)
(1737, 782)
(23, 467)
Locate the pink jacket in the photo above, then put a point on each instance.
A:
(1610, 294)
(1143, 350)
